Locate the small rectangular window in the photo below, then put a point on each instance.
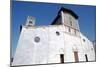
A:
(71, 23)
(75, 32)
(69, 29)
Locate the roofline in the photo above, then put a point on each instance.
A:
(69, 11)
(55, 19)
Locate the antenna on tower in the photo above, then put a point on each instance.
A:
(30, 21)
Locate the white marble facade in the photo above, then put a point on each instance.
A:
(57, 43)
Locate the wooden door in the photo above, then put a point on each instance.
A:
(76, 56)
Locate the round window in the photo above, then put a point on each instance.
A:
(57, 33)
(84, 40)
(37, 39)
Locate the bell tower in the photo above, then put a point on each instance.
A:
(30, 21)
(69, 19)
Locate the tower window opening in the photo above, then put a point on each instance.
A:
(69, 29)
(71, 23)
(30, 22)
(75, 32)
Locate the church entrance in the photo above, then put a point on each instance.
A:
(86, 57)
(62, 58)
(76, 56)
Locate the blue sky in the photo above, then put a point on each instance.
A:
(45, 14)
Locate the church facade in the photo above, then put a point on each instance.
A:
(60, 42)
